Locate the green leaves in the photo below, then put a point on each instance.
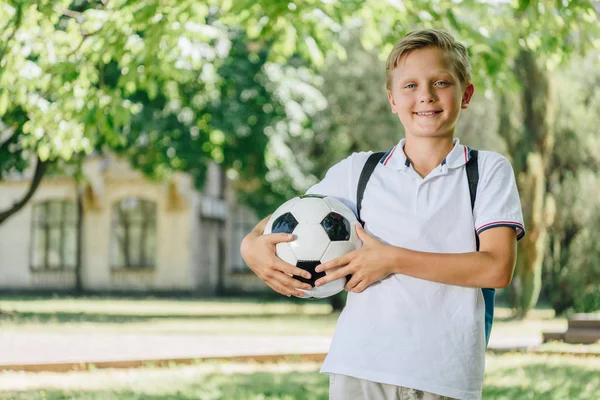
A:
(231, 81)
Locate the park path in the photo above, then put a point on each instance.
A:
(39, 348)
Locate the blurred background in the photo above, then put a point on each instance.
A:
(141, 140)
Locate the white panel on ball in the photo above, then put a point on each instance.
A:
(337, 249)
(310, 243)
(310, 210)
(327, 290)
(285, 253)
(356, 242)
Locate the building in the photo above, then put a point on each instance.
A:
(136, 235)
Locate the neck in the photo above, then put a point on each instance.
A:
(425, 154)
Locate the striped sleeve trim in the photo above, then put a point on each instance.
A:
(512, 224)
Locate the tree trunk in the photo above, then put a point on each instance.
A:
(40, 170)
(531, 155)
(79, 247)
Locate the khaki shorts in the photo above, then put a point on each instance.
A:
(342, 387)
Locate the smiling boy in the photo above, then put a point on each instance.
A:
(414, 322)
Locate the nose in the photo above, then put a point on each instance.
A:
(427, 94)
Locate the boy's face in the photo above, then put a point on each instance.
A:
(427, 94)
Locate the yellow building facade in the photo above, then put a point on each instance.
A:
(136, 235)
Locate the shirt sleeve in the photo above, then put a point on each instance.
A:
(341, 180)
(497, 202)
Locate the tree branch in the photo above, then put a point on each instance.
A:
(84, 35)
(40, 170)
(4, 146)
(76, 15)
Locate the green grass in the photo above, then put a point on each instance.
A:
(508, 377)
(227, 316)
(219, 317)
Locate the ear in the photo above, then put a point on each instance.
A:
(392, 102)
(467, 95)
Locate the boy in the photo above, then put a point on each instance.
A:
(413, 325)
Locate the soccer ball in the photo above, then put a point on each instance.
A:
(324, 228)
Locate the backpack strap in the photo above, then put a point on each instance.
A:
(473, 178)
(365, 174)
(488, 293)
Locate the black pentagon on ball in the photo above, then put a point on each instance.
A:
(336, 226)
(285, 223)
(310, 267)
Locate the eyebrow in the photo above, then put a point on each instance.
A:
(436, 74)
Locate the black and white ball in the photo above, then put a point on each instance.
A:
(324, 229)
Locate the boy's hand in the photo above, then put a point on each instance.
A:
(368, 264)
(258, 251)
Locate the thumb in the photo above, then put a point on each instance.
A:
(280, 237)
(362, 235)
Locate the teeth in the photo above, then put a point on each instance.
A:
(426, 113)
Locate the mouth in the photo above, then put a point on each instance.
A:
(427, 113)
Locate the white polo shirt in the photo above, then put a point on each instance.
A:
(406, 331)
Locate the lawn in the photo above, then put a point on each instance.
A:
(508, 377)
(222, 317)
(228, 316)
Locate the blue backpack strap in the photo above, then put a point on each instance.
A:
(488, 294)
(365, 174)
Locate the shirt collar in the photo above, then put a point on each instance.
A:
(458, 156)
(396, 159)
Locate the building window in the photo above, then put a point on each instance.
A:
(243, 222)
(133, 239)
(54, 235)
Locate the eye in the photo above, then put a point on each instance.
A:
(442, 83)
(410, 86)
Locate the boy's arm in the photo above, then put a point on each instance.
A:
(491, 267)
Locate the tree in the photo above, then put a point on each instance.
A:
(571, 272)
(546, 40)
(57, 59)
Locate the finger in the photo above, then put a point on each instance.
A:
(285, 290)
(335, 263)
(352, 283)
(341, 273)
(275, 238)
(290, 269)
(360, 287)
(291, 283)
(279, 288)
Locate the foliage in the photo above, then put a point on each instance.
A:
(56, 54)
(162, 82)
(572, 265)
(352, 114)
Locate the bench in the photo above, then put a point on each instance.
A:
(581, 329)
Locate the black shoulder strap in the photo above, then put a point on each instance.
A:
(366, 173)
(473, 178)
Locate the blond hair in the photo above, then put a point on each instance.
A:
(426, 38)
